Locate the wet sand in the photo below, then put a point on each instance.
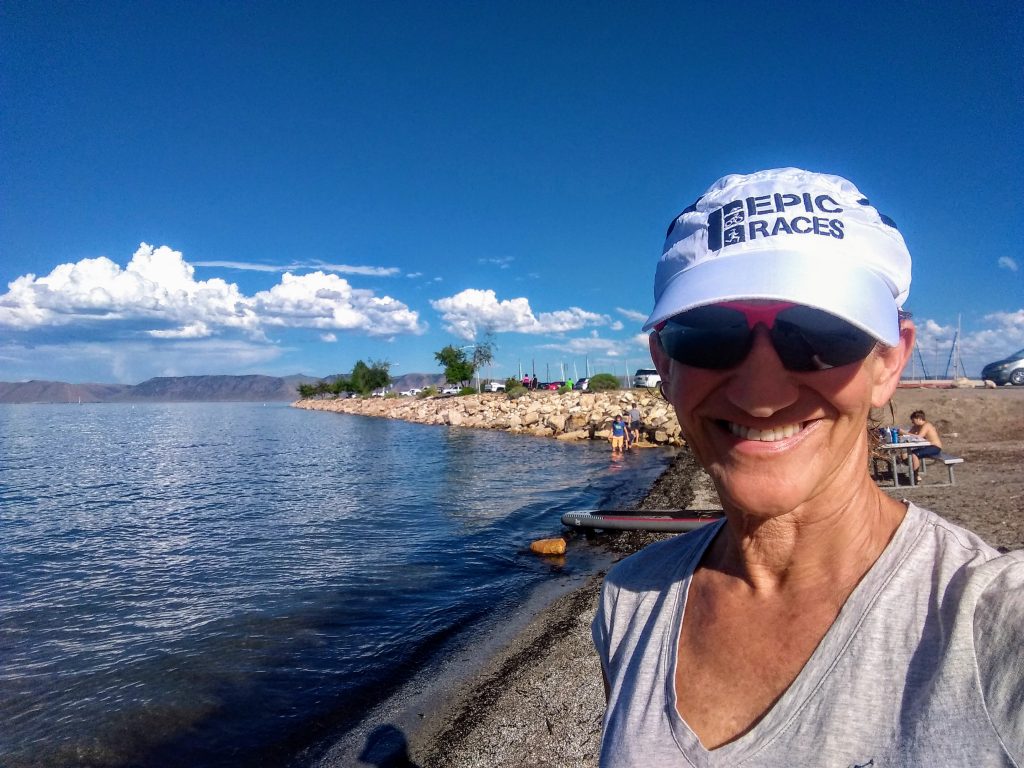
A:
(537, 702)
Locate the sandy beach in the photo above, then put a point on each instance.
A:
(537, 702)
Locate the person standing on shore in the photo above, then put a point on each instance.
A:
(634, 422)
(821, 622)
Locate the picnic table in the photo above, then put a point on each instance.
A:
(893, 454)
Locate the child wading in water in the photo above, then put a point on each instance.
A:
(618, 434)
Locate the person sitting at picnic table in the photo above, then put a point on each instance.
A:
(821, 622)
(924, 430)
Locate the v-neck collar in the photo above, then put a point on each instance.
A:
(819, 666)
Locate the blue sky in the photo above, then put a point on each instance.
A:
(190, 188)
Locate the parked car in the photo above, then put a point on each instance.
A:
(646, 377)
(410, 392)
(581, 385)
(1009, 370)
(451, 389)
(552, 385)
(494, 386)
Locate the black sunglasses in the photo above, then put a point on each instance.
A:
(720, 336)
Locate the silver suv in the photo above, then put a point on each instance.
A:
(646, 377)
(1008, 370)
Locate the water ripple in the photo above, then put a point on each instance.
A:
(197, 584)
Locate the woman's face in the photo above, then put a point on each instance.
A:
(773, 439)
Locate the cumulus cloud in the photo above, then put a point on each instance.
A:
(472, 311)
(197, 330)
(320, 300)
(1005, 262)
(158, 295)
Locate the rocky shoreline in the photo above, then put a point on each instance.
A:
(567, 416)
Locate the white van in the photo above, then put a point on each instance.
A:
(646, 377)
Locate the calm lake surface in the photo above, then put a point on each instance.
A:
(234, 584)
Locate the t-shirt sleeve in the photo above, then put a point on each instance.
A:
(999, 646)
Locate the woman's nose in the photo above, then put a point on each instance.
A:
(761, 385)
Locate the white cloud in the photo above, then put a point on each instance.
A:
(198, 330)
(157, 295)
(641, 340)
(319, 300)
(1004, 335)
(330, 338)
(631, 314)
(345, 269)
(472, 311)
(1006, 262)
(586, 345)
(502, 262)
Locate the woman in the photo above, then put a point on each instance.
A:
(822, 623)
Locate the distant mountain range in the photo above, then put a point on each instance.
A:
(253, 388)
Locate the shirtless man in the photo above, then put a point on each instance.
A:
(926, 431)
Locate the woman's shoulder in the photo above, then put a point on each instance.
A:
(662, 562)
(966, 564)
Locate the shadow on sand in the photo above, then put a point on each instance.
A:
(386, 747)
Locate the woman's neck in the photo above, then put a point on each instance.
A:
(826, 543)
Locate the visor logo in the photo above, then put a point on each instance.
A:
(751, 218)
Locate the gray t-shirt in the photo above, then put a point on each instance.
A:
(924, 666)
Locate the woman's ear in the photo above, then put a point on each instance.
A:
(889, 363)
(661, 359)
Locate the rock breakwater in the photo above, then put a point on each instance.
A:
(568, 416)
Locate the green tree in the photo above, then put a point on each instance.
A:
(366, 378)
(341, 384)
(483, 354)
(457, 369)
(306, 391)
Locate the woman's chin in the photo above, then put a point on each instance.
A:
(760, 497)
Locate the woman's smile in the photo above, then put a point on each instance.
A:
(765, 435)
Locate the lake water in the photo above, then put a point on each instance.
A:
(234, 584)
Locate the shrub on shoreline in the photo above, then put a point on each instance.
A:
(602, 382)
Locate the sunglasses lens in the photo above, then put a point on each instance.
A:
(710, 337)
(808, 339)
(805, 339)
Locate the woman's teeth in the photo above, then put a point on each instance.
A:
(764, 435)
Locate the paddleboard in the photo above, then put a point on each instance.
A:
(644, 520)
